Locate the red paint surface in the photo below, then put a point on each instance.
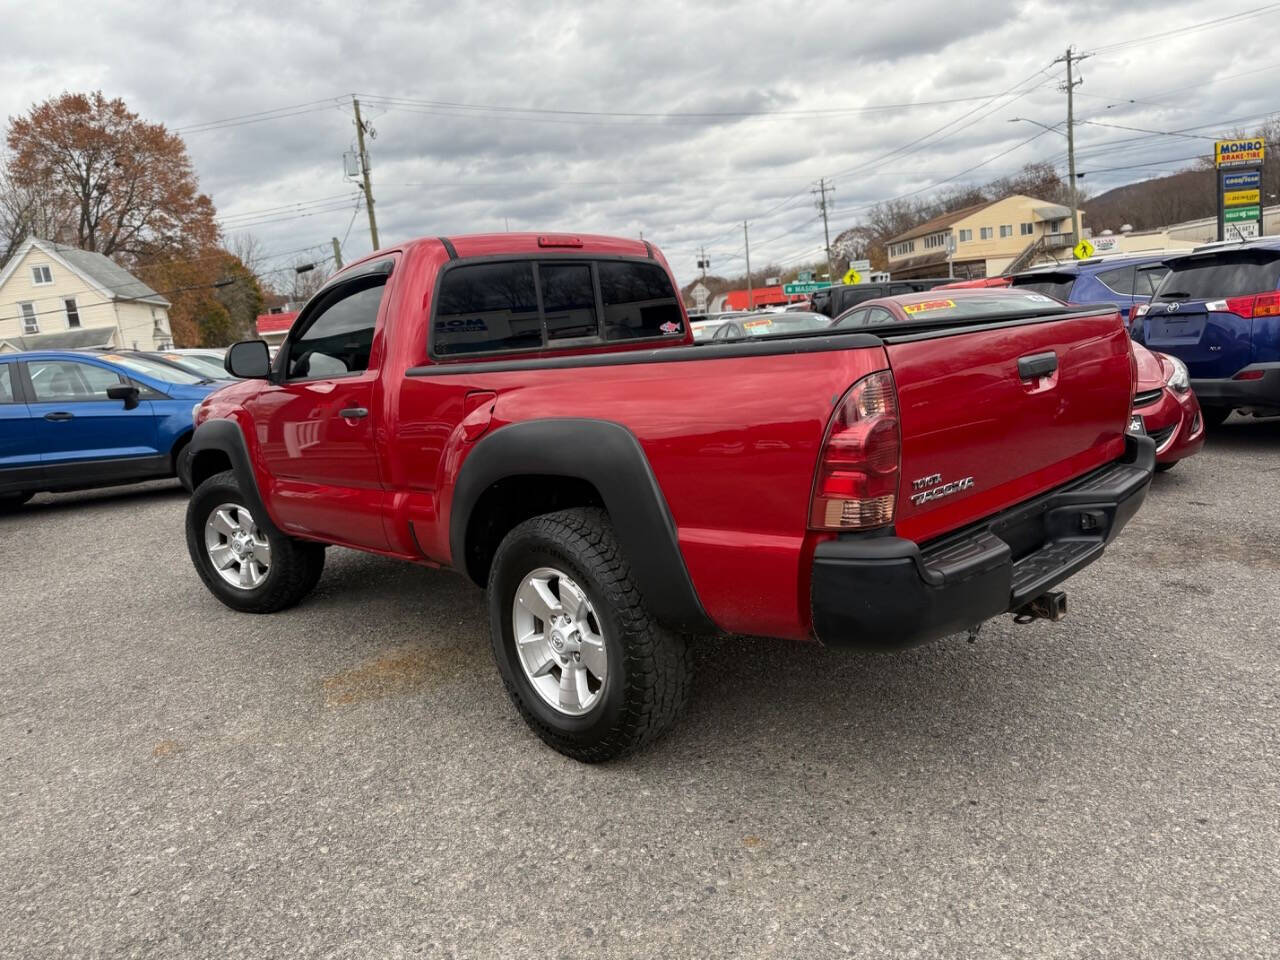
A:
(733, 441)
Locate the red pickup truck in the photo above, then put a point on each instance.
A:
(532, 412)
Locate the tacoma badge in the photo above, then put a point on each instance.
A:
(924, 496)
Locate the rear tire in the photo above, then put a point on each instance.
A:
(245, 565)
(635, 674)
(1214, 416)
(12, 501)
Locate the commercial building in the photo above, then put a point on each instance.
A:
(984, 240)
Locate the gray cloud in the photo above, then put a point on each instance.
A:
(683, 181)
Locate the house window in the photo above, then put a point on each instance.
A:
(1027, 229)
(966, 236)
(73, 313)
(1055, 226)
(985, 233)
(1006, 230)
(902, 249)
(40, 275)
(935, 240)
(29, 324)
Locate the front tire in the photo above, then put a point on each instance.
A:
(583, 660)
(12, 501)
(244, 564)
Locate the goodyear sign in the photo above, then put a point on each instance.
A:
(1239, 153)
(1244, 180)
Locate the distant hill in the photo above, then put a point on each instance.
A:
(1158, 202)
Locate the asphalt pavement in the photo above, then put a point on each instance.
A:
(347, 779)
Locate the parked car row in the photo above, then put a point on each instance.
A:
(72, 420)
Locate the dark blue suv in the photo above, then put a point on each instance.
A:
(1128, 281)
(73, 420)
(1218, 311)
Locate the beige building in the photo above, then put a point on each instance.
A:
(989, 239)
(55, 297)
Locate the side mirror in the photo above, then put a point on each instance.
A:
(248, 360)
(126, 392)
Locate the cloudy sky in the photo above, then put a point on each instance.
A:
(676, 120)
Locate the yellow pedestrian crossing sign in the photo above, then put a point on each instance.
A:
(853, 276)
(1083, 250)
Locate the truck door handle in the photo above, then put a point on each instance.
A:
(1037, 365)
(353, 413)
(59, 415)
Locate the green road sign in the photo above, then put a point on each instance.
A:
(804, 276)
(1236, 214)
(793, 288)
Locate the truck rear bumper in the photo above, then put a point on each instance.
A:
(1262, 392)
(885, 593)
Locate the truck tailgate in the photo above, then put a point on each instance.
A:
(996, 414)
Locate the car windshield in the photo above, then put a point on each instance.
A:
(783, 323)
(200, 364)
(1234, 273)
(153, 368)
(1056, 285)
(994, 304)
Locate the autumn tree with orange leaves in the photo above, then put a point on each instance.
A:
(127, 189)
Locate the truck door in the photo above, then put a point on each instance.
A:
(317, 423)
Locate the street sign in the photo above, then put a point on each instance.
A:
(1239, 153)
(1105, 244)
(1244, 230)
(862, 266)
(1240, 198)
(1083, 250)
(1237, 214)
(700, 296)
(1244, 180)
(804, 276)
(853, 276)
(790, 289)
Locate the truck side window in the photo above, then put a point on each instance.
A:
(568, 300)
(638, 301)
(7, 392)
(339, 337)
(488, 306)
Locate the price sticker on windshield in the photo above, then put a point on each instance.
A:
(926, 305)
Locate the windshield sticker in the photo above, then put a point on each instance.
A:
(926, 305)
(752, 324)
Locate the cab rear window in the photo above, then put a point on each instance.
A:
(1234, 273)
(1021, 304)
(534, 304)
(1050, 284)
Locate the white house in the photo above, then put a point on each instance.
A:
(56, 297)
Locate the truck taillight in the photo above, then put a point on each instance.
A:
(856, 487)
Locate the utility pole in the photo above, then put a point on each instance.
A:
(702, 261)
(364, 170)
(822, 192)
(1069, 58)
(337, 254)
(751, 300)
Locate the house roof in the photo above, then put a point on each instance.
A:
(938, 223)
(76, 339)
(99, 271)
(276, 322)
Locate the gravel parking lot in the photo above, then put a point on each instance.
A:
(347, 779)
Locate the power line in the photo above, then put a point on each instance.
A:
(1181, 31)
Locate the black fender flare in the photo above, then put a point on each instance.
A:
(226, 437)
(609, 457)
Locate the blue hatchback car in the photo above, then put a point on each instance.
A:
(1128, 281)
(1218, 311)
(72, 420)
